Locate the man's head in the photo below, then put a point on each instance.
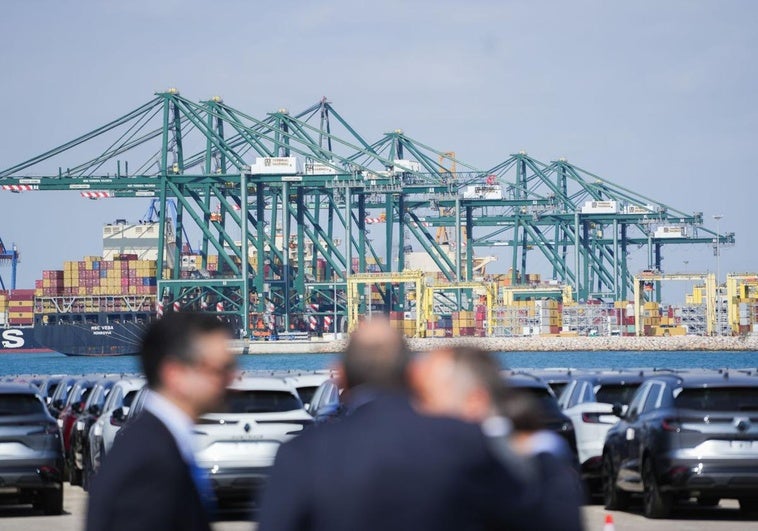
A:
(186, 358)
(376, 356)
(457, 381)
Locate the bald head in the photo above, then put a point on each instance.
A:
(376, 355)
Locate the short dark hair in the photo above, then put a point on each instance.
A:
(380, 362)
(171, 338)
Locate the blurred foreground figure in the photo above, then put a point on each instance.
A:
(465, 383)
(150, 481)
(384, 466)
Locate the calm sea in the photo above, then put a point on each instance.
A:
(60, 364)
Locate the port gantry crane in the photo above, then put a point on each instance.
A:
(8, 256)
(272, 197)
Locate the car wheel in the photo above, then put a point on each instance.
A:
(708, 501)
(50, 501)
(613, 497)
(656, 504)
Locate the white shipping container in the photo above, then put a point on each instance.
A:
(274, 165)
(490, 191)
(600, 207)
(671, 231)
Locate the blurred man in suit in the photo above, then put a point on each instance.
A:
(150, 481)
(383, 465)
(466, 383)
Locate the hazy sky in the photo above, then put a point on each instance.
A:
(657, 96)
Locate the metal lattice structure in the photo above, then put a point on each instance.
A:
(283, 202)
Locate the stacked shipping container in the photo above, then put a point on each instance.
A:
(18, 305)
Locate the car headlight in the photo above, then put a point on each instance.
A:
(79, 425)
(60, 423)
(98, 431)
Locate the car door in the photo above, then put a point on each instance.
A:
(627, 447)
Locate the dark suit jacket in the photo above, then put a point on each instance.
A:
(145, 485)
(384, 467)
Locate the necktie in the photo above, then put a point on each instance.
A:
(204, 488)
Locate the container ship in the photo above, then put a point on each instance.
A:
(95, 307)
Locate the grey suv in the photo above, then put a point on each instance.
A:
(31, 450)
(688, 435)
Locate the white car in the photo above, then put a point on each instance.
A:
(238, 446)
(103, 431)
(588, 401)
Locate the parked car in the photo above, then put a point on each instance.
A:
(238, 445)
(31, 452)
(73, 408)
(685, 435)
(306, 384)
(588, 401)
(326, 404)
(557, 379)
(79, 444)
(555, 419)
(47, 388)
(60, 396)
(103, 431)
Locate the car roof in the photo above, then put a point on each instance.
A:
(261, 383)
(307, 379)
(613, 377)
(709, 379)
(18, 388)
(525, 380)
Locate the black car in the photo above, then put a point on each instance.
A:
(79, 439)
(683, 436)
(554, 419)
(31, 460)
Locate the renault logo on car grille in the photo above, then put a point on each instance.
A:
(247, 428)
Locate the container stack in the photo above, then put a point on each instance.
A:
(549, 315)
(19, 306)
(102, 285)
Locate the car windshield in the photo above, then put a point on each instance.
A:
(621, 393)
(261, 402)
(19, 404)
(719, 399)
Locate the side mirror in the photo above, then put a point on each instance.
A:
(618, 409)
(78, 407)
(95, 410)
(307, 406)
(58, 404)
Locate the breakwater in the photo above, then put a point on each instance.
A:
(524, 344)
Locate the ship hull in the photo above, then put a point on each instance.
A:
(78, 339)
(20, 340)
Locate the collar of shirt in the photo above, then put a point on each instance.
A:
(179, 424)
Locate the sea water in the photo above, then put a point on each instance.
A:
(54, 363)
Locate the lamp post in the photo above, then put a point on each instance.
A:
(718, 218)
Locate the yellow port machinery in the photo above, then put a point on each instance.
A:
(650, 277)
